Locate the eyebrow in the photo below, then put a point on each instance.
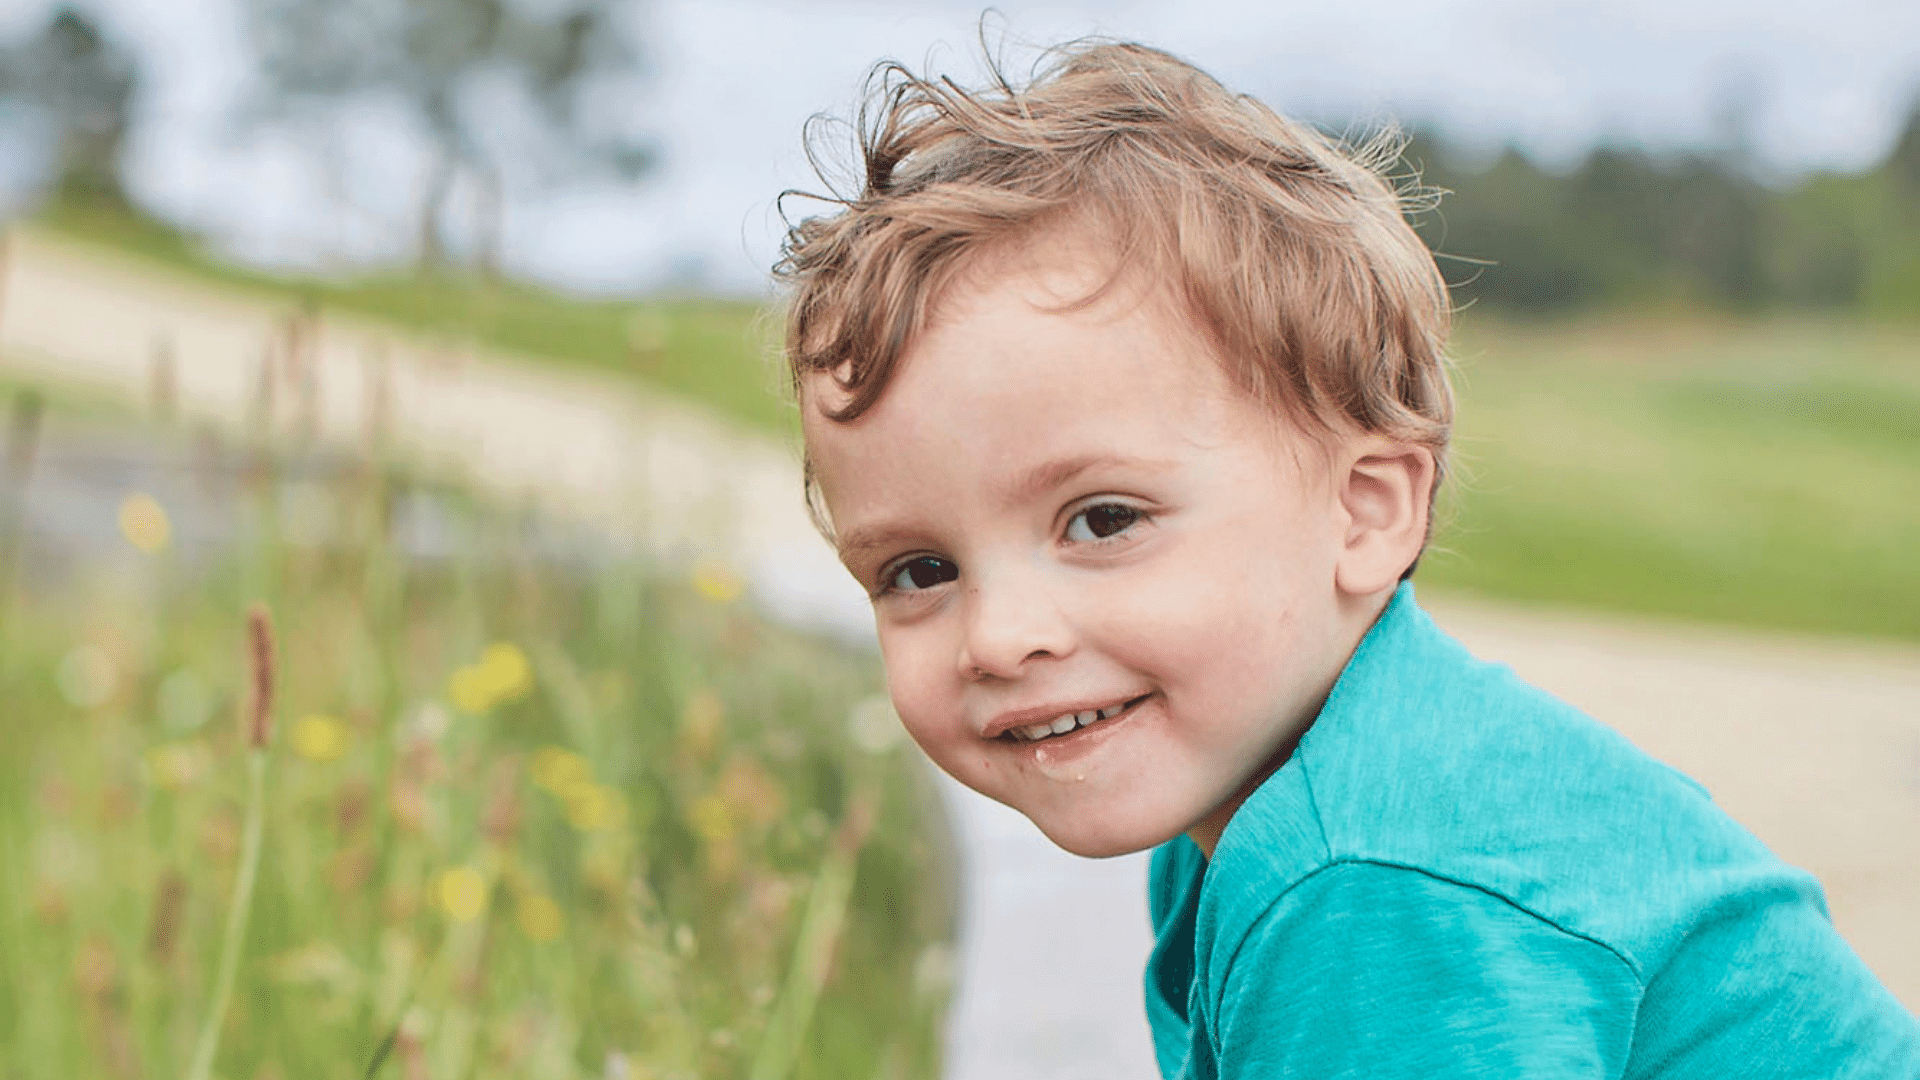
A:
(1048, 475)
(1023, 486)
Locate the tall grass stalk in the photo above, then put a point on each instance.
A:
(259, 732)
(819, 936)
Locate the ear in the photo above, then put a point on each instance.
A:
(1384, 493)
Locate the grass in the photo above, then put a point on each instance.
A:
(523, 818)
(1759, 473)
(68, 399)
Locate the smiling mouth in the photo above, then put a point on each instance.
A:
(1068, 723)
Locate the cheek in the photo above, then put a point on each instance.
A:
(918, 681)
(1196, 621)
(1209, 627)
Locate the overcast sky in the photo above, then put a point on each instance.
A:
(1826, 86)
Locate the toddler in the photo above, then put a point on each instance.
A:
(1125, 399)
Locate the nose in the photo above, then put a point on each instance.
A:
(1009, 622)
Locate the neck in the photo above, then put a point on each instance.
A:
(1206, 832)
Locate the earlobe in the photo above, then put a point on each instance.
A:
(1385, 493)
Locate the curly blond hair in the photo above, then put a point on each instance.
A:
(1290, 251)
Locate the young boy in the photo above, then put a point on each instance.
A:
(1125, 399)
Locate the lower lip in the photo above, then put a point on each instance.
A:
(1057, 752)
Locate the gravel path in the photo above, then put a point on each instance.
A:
(1814, 745)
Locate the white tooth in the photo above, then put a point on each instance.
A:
(1112, 711)
(1087, 717)
(1063, 724)
(1038, 731)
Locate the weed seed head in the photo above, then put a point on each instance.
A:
(259, 714)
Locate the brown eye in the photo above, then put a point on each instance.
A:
(923, 572)
(1102, 521)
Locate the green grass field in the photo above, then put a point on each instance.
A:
(521, 820)
(1762, 473)
(1765, 474)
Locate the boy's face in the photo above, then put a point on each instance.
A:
(1075, 512)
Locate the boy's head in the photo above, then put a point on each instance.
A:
(1125, 398)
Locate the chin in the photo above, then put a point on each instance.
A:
(1103, 840)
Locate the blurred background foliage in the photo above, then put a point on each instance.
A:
(84, 87)
(424, 54)
(1693, 230)
(534, 813)
(535, 806)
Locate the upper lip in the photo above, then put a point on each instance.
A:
(1020, 718)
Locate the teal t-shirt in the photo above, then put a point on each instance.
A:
(1458, 875)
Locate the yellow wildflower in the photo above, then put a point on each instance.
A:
(502, 674)
(559, 770)
(712, 819)
(591, 807)
(469, 689)
(539, 917)
(143, 521)
(507, 667)
(463, 893)
(715, 580)
(320, 738)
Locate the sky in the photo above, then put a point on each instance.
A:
(734, 81)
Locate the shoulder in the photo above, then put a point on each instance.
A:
(1360, 964)
(1355, 908)
(1427, 758)
(1507, 789)
(1392, 971)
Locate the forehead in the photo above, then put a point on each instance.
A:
(1031, 359)
(1049, 299)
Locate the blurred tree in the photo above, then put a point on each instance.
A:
(1903, 161)
(434, 57)
(84, 86)
(1626, 226)
(1818, 243)
(1892, 192)
(1508, 222)
(1712, 221)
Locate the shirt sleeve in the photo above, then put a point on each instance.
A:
(1383, 972)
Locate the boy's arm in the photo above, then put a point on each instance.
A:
(1369, 970)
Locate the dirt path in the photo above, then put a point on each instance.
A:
(647, 468)
(1813, 745)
